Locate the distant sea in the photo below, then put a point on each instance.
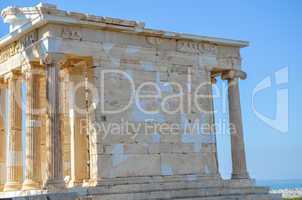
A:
(280, 184)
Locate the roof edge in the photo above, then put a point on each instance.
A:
(55, 16)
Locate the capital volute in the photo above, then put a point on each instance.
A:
(32, 69)
(13, 75)
(213, 80)
(232, 74)
(53, 59)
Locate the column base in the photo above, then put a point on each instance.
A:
(12, 186)
(55, 186)
(93, 182)
(240, 176)
(74, 183)
(30, 185)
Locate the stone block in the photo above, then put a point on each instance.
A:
(127, 148)
(124, 165)
(50, 196)
(172, 164)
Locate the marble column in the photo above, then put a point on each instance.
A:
(33, 112)
(65, 125)
(239, 170)
(14, 146)
(42, 119)
(54, 177)
(2, 135)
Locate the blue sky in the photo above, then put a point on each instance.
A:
(274, 29)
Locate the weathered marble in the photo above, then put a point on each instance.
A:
(161, 143)
(2, 135)
(237, 140)
(33, 132)
(54, 180)
(14, 147)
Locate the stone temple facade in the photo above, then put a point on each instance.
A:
(102, 96)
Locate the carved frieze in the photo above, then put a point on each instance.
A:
(70, 33)
(18, 46)
(196, 47)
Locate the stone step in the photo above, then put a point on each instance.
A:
(199, 193)
(129, 188)
(238, 197)
(145, 184)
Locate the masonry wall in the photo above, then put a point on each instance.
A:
(140, 151)
(120, 145)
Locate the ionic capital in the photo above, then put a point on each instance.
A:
(232, 74)
(213, 80)
(32, 69)
(13, 75)
(53, 59)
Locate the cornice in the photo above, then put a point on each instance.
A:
(49, 14)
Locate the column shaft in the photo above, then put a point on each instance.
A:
(42, 119)
(14, 154)
(65, 126)
(237, 140)
(54, 178)
(2, 136)
(33, 112)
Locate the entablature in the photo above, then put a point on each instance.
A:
(58, 31)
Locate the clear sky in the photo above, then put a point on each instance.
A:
(274, 29)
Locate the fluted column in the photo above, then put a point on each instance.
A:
(54, 179)
(14, 146)
(2, 135)
(65, 125)
(33, 112)
(239, 170)
(42, 118)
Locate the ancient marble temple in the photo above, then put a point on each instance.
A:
(101, 95)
